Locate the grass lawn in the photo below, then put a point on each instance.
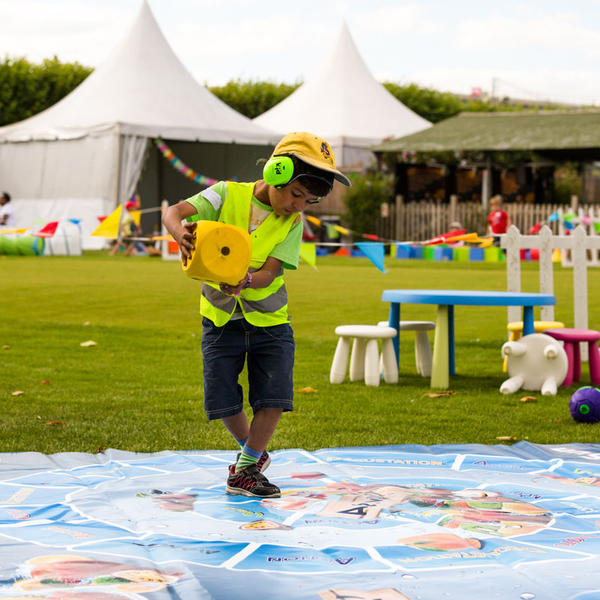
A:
(140, 387)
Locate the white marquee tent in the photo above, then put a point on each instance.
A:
(82, 156)
(344, 103)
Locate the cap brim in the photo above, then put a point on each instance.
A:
(318, 165)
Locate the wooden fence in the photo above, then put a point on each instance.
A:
(419, 221)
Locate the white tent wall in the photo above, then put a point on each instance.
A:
(61, 179)
(161, 181)
(132, 155)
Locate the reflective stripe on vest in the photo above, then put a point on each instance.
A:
(262, 307)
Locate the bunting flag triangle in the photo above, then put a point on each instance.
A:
(47, 230)
(375, 252)
(109, 228)
(313, 220)
(136, 215)
(308, 253)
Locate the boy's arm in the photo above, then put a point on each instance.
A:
(183, 234)
(260, 279)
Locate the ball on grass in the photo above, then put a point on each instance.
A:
(585, 405)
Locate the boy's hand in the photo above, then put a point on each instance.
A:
(186, 240)
(233, 290)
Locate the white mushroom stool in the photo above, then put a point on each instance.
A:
(423, 357)
(364, 361)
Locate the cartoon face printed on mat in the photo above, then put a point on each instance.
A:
(170, 501)
(65, 571)
(440, 542)
(594, 481)
(483, 511)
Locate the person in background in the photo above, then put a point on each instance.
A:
(498, 220)
(7, 219)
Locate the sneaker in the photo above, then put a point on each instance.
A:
(250, 482)
(263, 462)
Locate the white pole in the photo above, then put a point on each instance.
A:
(546, 271)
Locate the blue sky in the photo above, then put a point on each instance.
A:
(530, 49)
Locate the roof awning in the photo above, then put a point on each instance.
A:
(546, 132)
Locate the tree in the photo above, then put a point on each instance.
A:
(27, 88)
(253, 98)
(364, 199)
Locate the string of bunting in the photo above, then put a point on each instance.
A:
(567, 221)
(345, 231)
(181, 166)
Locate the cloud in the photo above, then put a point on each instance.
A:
(397, 20)
(72, 30)
(528, 31)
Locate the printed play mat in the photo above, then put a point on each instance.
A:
(445, 522)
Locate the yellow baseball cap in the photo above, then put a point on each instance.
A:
(311, 149)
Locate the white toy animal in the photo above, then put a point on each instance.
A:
(534, 362)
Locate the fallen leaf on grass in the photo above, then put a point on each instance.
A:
(507, 438)
(557, 420)
(18, 393)
(100, 449)
(6, 347)
(45, 382)
(88, 344)
(439, 394)
(528, 399)
(307, 390)
(55, 423)
(86, 323)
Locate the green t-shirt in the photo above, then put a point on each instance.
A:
(208, 204)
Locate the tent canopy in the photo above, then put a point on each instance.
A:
(141, 89)
(343, 103)
(549, 132)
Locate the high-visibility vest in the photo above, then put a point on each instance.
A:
(262, 307)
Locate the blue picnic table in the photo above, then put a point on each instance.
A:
(443, 347)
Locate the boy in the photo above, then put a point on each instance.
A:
(498, 220)
(250, 319)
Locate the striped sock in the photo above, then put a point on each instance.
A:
(242, 443)
(247, 457)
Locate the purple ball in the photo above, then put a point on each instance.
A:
(585, 405)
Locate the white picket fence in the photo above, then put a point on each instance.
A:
(579, 244)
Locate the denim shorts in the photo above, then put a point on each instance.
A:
(270, 355)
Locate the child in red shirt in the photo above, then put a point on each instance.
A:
(498, 220)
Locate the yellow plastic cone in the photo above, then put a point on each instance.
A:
(222, 253)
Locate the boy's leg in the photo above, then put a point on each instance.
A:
(263, 427)
(238, 427)
(270, 367)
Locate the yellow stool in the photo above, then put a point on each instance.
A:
(516, 330)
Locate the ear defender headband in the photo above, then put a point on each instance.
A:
(278, 170)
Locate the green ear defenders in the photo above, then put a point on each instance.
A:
(278, 170)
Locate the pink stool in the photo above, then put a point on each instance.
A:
(572, 339)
